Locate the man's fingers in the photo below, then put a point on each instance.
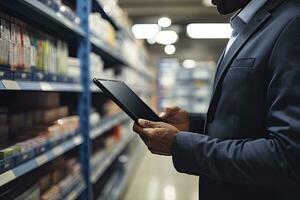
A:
(144, 132)
(172, 110)
(149, 124)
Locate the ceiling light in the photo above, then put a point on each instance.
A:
(189, 64)
(145, 31)
(209, 31)
(170, 49)
(151, 41)
(164, 22)
(166, 37)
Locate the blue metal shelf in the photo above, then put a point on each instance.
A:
(26, 167)
(106, 160)
(107, 124)
(45, 16)
(39, 86)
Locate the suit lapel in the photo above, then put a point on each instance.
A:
(219, 66)
(249, 30)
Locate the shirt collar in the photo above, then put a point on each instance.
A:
(250, 10)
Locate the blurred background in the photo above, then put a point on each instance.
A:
(60, 136)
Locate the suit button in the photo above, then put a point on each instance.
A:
(210, 118)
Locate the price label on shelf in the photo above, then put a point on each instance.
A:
(46, 87)
(7, 177)
(11, 85)
(41, 159)
(58, 151)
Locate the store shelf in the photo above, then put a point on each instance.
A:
(105, 161)
(44, 16)
(39, 86)
(74, 194)
(117, 185)
(107, 124)
(30, 165)
(108, 54)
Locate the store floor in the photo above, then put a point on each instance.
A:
(156, 179)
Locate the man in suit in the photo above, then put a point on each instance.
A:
(249, 147)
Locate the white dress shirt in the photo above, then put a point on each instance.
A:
(246, 15)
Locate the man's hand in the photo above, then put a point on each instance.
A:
(158, 136)
(176, 117)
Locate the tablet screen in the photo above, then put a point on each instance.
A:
(122, 95)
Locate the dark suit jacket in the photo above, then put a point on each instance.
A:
(250, 146)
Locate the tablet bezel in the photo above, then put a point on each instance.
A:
(135, 118)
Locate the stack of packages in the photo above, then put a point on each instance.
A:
(102, 29)
(63, 176)
(34, 132)
(23, 48)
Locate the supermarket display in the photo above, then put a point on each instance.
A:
(48, 118)
(193, 85)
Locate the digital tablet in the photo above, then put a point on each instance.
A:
(127, 100)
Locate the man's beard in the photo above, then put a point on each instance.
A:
(229, 6)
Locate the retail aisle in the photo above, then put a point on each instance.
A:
(156, 179)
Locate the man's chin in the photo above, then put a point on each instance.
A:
(223, 11)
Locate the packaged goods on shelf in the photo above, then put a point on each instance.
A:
(30, 118)
(97, 68)
(32, 193)
(23, 47)
(62, 9)
(43, 101)
(70, 177)
(95, 119)
(32, 133)
(73, 70)
(102, 29)
(111, 109)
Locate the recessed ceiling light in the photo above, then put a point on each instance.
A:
(166, 37)
(209, 30)
(170, 49)
(164, 22)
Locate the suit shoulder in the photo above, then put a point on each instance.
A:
(292, 7)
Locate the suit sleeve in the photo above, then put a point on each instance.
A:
(273, 161)
(197, 122)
